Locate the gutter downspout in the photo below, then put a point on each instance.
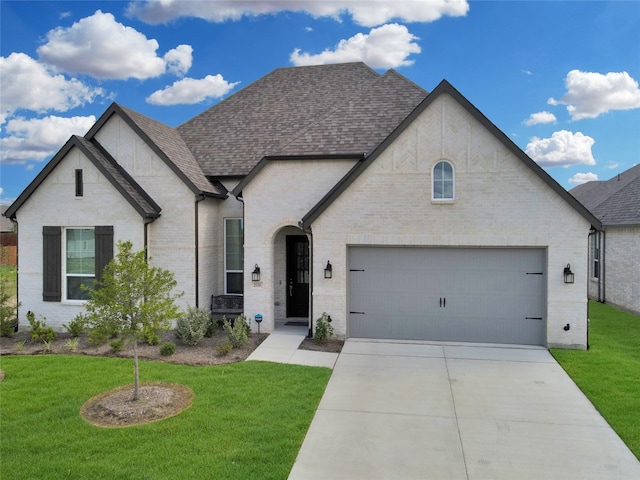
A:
(147, 221)
(15, 222)
(199, 198)
(310, 233)
(603, 267)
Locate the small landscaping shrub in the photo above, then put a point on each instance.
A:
(324, 329)
(151, 335)
(77, 326)
(237, 330)
(167, 349)
(193, 326)
(20, 345)
(211, 327)
(39, 330)
(72, 344)
(224, 349)
(103, 332)
(47, 346)
(8, 317)
(117, 345)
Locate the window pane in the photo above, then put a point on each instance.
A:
(447, 189)
(443, 180)
(233, 244)
(234, 283)
(75, 290)
(81, 255)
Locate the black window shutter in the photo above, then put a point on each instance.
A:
(51, 264)
(104, 248)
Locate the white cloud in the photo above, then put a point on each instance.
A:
(26, 84)
(178, 60)
(592, 94)
(103, 48)
(190, 91)
(564, 148)
(580, 178)
(613, 165)
(387, 46)
(540, 117)
(37, 139)
(369, 13)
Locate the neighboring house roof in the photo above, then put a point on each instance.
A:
(6, 225)
(324, 109)
(166, 142)
(616, 202)
(442, 88)
(107, 165)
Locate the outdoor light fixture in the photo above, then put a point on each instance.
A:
(255, 275)
(328, 270)
(568, 274)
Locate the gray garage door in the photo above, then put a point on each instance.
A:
(448, 294)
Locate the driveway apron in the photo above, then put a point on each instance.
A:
(400, 411)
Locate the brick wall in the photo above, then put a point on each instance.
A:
(622, 274)
(499, 202)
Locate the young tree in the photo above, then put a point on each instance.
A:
(132, 297)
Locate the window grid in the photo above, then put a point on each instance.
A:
(233, 256)
(79, 262)
(443, 182)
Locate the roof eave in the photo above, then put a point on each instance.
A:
(237, 191)
(114, 108)
(445, 87)
(35, 183)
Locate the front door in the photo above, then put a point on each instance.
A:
(297, 276)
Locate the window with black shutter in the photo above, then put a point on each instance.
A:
(52, 264)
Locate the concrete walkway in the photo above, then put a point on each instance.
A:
(432, 411)
(283, 348)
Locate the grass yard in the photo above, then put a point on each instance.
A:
(248, 420)
(609, 372)
(9, 281)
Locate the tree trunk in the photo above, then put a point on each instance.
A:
(136, 374)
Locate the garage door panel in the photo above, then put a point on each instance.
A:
(449, 294)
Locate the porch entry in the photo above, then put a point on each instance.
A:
(297, 276)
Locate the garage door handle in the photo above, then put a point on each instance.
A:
(443, 302)
(357, 313)
(533, 318)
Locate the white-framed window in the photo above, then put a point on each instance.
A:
(443, 187)
(79, 262)
(595, 255)
(233, 256)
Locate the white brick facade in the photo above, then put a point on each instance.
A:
(54, 203)
(622, 256)
(499, 202)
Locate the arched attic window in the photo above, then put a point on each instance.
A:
(443, 187)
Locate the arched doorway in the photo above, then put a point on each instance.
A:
(292, 270)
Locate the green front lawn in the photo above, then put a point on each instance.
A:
(248, 420)
(609, 372)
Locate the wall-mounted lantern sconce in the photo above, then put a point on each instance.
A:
(255, 275)
(328, 270)
(568, 274)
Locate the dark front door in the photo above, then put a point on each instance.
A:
(297, 276)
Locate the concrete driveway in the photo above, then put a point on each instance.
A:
(402, 411)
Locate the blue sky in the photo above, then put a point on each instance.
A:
(559, 78)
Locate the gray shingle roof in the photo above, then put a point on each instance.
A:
(171, 144)
(112, 171)
(6, 225)
(616, 202)
(360, 124)
(120, 179)
(323, 109)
